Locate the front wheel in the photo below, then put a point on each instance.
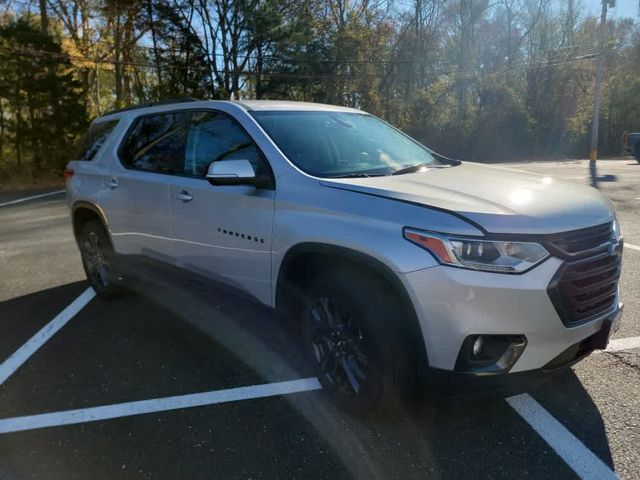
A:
(98, 259)
(353, 335)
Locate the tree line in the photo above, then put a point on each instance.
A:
(485, 80)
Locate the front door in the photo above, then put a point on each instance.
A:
(223, 232)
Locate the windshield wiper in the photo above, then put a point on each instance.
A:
(417, 168)
(358, 175)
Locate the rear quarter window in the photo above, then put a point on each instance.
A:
(94, 139)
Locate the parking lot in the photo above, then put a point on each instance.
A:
(181, 382)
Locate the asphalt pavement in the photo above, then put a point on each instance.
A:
(151, 356)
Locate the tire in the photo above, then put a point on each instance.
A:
(98, 259)
(637, 152)
(354, 337)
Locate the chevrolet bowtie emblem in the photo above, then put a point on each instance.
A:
(615, 248)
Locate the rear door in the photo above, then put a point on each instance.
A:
(88, 167)
(223, 232)
(136, 193)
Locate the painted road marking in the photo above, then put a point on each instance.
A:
(142, 407)
(623, 344)
(574, 453)
(26, 199)
(632, 247)
(11, 364)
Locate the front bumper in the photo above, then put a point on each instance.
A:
(443, 382)
(453, 303)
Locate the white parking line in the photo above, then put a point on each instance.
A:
(11, 364)
(26, 199)
(574, 453)
(619, 344)
(141, 407)
(631, 246)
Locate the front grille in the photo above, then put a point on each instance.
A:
(587, 286)
(581, 242)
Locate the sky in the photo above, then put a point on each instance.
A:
(623, 8)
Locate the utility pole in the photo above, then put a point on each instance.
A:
(595, 124)
(44, 18)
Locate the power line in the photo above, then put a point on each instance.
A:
(176, 51)
(294, 75)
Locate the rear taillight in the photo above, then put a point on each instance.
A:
(626, 139)
(68, 173)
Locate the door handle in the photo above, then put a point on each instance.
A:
(112, 183)
(184, 196)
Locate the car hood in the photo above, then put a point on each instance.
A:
(500, 200)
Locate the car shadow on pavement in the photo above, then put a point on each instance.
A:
(444, 436)
(439, 437)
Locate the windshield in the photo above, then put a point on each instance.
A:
(336, 144)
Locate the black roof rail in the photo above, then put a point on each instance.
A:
(152, 104)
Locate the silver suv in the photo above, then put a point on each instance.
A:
(403, 267)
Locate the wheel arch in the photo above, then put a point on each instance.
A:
(82, 211)
(316, 256)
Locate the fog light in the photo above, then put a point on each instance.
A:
(490, 354)
(477, 346)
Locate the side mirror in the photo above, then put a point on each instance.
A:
(235, 172)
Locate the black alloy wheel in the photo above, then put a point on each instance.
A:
(339, 346)
(355, 337)
(98, 259)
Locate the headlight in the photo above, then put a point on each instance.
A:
(486, 255)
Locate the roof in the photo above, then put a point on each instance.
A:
(252, 105)
(148, 105)
(291, 105)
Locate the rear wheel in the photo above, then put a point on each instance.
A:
(354, 338)
(637, 152)
(98, 259)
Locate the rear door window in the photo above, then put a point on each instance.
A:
(156, 143)
(94, 139)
